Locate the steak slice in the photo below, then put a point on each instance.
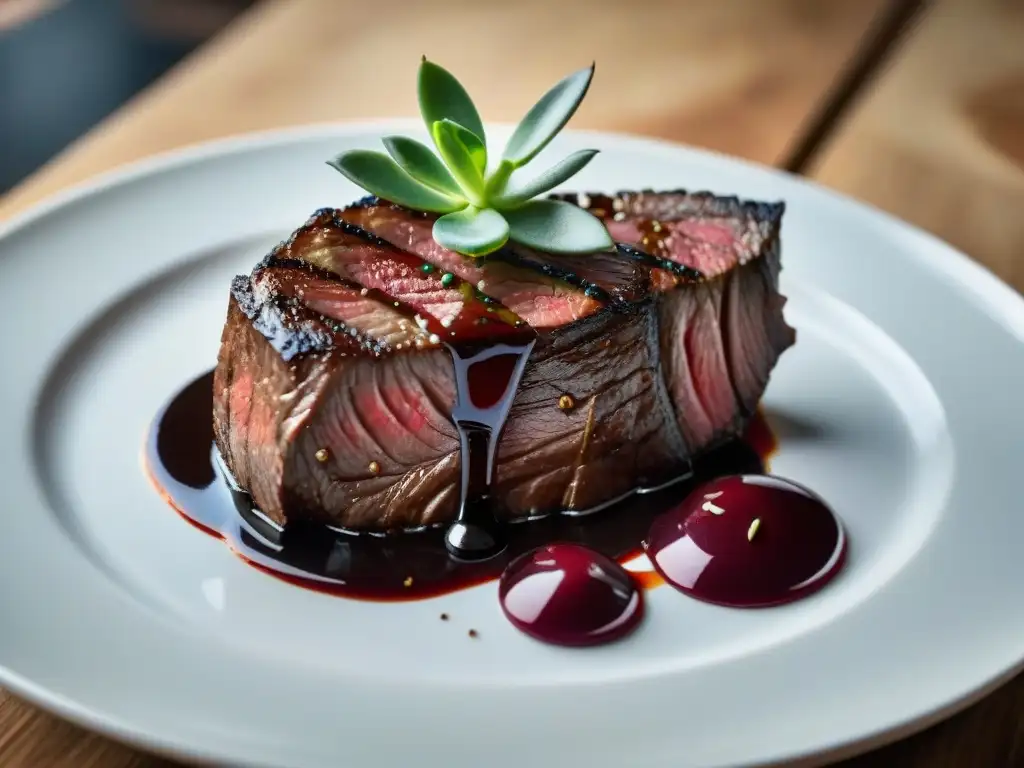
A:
(441, 303)
(333, 391)
(721, 337)
(542, 300)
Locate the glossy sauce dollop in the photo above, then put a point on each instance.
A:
(748, 541)
(570, 595)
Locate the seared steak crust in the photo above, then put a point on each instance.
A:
(333, 390)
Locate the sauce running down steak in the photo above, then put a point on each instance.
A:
(334, 388)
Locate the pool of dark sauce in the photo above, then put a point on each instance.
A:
(183, 464)
(790, 552)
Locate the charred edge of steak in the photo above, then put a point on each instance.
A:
(685, 273)
(510, 256)
(292, 328)
(270, 262)
(321, 217)
(293, 301)
(289, 336)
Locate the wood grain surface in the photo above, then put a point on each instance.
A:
(937, 138)
(739, 76)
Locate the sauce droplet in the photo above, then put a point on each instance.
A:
(570, 595)
(486, 383)
(748, 541)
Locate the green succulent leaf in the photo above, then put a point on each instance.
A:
(472, 142)
(464, 154)
(498, 179)
(379, 174)
(557, 227)
(481, 212)
(517, 192)
(547, 117)
(442, 97)
(420, 162)
(472, 231)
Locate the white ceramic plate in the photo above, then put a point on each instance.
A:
(899, 404)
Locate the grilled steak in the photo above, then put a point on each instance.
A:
(333, 390)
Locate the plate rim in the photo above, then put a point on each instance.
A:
(953, 261)
(942, 257)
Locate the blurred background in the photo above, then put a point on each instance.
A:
(915, 106)
(66, 64)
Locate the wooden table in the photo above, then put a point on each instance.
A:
(925, 120)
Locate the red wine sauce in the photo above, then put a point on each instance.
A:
(183, 464)
(486, 382)
(570, 595)
(748, 541)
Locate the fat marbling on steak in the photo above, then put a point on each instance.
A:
(333, 390)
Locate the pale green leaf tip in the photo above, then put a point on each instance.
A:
(454, 126)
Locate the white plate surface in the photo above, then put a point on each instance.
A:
(898, 404)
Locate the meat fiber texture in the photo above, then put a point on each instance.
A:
(334, 388)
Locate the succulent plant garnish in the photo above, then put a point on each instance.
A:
(483, 206)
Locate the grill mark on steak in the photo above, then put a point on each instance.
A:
(270, 299)
(603, 275)
(677, 273)
(367, 315)
(516, 276)
(447, 306)
(526, 260)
